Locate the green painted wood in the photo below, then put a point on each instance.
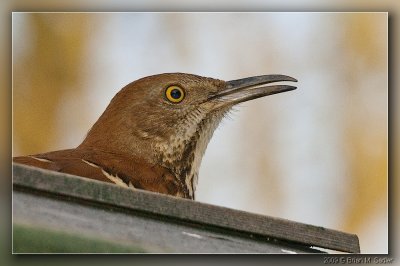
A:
(27, 239)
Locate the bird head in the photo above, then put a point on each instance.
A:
(168, 119)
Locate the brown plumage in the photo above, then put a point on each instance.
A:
(154, 132)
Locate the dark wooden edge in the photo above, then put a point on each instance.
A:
(182, 209)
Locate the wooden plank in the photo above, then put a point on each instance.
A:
(182, 209)
(121, 231)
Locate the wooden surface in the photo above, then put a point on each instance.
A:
(36, 185)
(48, 225)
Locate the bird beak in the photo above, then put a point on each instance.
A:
(242, 90)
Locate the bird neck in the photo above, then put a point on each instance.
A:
(183, 151)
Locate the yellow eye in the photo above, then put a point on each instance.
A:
(174, 94)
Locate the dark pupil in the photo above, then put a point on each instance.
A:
(176, 94)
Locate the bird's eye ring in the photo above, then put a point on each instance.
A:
(175, 94)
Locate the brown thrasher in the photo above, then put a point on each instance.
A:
(154, 132)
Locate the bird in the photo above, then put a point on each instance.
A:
(154, 132)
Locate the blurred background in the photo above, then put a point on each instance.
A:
(317, 155)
